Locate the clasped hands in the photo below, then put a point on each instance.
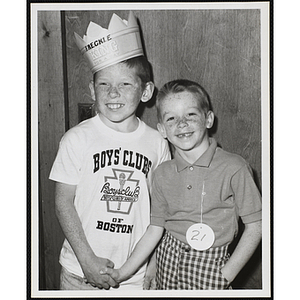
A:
(100, 273)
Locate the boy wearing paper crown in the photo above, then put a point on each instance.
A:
(103, 169)
(198, 198)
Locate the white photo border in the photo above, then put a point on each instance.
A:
(266, 81)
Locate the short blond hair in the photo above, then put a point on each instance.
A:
(182, 85)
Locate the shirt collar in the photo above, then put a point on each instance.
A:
(203, 161)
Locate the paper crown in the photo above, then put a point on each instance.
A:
(105, 47)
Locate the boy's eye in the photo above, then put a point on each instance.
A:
(103, 84)
(170, 119)
(125, 84)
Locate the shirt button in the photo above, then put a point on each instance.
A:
(191, 168)
(189, 187)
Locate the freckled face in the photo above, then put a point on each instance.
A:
(184, 123)
(118, 91)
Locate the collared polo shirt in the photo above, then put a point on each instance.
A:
(222, 181)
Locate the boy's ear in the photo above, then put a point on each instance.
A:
(162, 130)
(210, 119)
(148, 92)
(92, 90)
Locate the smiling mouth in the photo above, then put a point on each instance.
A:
(114, 106)
(184, 135)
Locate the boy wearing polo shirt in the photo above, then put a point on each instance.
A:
(198, 198)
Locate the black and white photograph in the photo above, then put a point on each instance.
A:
(151, 149)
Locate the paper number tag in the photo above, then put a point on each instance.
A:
(200, 236)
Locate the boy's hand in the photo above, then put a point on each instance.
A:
(97, 274)
(114, 274)
(150, 282)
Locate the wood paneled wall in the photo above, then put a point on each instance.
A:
(220, 49)
(51, 127)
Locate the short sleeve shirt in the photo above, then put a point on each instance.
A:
(112, 172)
(222, 181)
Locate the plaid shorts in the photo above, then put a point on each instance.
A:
(180, 267)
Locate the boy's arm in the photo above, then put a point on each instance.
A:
(140, 253)
(245, 248)
(150, 282)
(72, 228)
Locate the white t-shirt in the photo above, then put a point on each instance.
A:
(113, 173)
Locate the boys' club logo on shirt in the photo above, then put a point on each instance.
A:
(120, 191)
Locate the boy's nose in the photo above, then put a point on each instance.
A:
(182, 123)
(114, 92)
